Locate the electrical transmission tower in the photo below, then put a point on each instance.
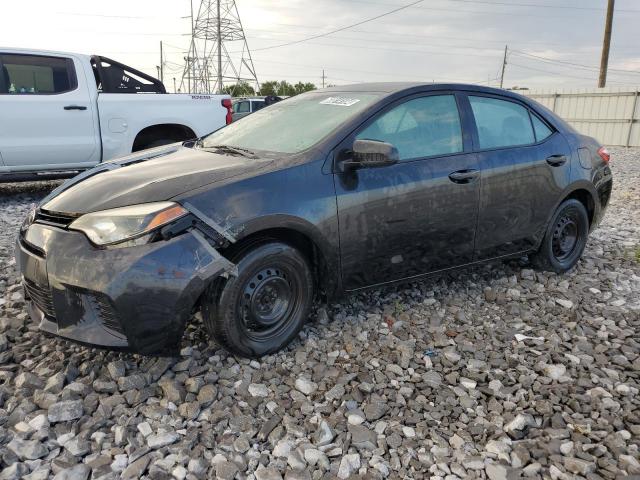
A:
(219, 53)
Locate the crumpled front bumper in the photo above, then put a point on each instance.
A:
(134, 298)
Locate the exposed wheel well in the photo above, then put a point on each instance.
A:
(172, 132)
(298, 240)
(584, 197)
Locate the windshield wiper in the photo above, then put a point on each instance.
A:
(230, 149)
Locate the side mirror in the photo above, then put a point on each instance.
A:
(371, 154)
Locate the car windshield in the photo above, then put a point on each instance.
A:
(292, 125)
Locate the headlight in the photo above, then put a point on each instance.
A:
(28, 220)
(119, 224)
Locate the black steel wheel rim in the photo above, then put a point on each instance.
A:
(566, 235)
(268, 301)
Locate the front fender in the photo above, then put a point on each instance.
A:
(328, 248)
(299, 199)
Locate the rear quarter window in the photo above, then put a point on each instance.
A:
(540, 128)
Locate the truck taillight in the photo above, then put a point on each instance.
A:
(226, 103)
(604, 154)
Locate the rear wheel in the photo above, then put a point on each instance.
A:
(262, 309)
(565, 238)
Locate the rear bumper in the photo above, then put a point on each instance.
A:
(134, 298)
(604, 184)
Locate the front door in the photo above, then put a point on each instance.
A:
(46, 114)
(418, 215)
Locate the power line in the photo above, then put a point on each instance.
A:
(539, 5)
(350, 70)
(431, 52)
(557, 74)
(449, 45)
(313, 37)
(400, 34)
(572, 64)
(493, 12)
(136, 17)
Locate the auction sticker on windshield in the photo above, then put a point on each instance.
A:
(340, 101)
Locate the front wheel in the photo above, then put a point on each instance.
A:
(262, 309)
(565, 238)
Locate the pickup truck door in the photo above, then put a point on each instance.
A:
(47, 114)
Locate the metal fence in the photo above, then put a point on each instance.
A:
(610, 115)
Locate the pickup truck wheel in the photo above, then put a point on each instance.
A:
(262, 309)
(565, 238)
(159, 143)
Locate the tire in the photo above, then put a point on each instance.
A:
(159, 143)
(565, 238)
(262, 309)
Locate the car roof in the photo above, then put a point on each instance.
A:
(34, 51)
(395, 87)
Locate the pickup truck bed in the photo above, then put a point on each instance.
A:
(62, 113)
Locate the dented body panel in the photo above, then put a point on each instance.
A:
(368, 227)
(136, 298)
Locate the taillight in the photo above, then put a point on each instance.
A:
(226, 103)
(604, 154)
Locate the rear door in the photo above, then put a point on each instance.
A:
(524, 164)
(420, 214)
(46, 113)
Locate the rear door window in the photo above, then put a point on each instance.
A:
(256, 105)
(501, 123)
(242, 107)
(36, 75)
(421, 127)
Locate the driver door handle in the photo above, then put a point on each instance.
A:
(464, 176)
(557, 160)
(75, 107)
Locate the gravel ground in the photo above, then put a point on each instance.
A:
(493, 372)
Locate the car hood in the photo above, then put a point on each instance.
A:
(153, 175)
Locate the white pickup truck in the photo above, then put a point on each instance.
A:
(61, 113)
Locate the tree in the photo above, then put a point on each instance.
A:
(242, 89)
(303, 87)
(284, 88)
(269, 88)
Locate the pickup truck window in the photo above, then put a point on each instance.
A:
(36, 75)
(292, 125)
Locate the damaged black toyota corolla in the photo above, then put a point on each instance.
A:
(326, 192)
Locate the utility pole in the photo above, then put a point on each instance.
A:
(604, 60)
(161, 64)
(174, 85)
(323, 77)
(504, 64)
(193, 60)
(219, 51)
(158, 70)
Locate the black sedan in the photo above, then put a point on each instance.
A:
(327, 192)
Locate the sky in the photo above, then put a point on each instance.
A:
(551, 43)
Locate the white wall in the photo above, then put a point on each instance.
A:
(611, 115)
